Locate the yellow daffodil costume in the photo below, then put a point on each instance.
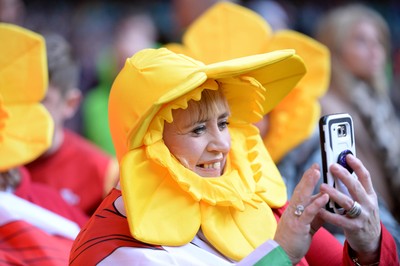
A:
(26, 128)
(227, 30)
(166, 203)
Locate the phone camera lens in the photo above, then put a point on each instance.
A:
(342, 160)
(342, 131)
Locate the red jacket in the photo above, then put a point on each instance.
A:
(24, 244)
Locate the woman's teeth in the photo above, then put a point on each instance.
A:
(216, 165)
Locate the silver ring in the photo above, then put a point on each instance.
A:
(355, 210)
(299, 210)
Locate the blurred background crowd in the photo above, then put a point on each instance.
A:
(95, 27)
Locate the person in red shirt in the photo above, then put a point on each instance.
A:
(81, 172)
(198, 186)
(37, 226)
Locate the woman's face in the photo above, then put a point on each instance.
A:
(363, 53)
(200, 145)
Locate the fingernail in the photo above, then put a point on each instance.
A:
(334, 166)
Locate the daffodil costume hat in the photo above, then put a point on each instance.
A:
(234, 31)
(166, 203)
(26, 127)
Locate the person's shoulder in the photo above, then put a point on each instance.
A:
(98, 239)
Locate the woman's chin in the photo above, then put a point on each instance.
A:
(203, 172)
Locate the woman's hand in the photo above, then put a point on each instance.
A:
(362, 232)
(296, 226)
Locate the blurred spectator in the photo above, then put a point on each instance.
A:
(132, 33)
(36, 225)
(273, 12)
(395, 91)
(358, 38)
(92, 25)
(184, 12)
(80, 171)
(12, 11)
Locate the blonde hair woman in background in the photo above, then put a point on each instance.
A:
(358, 38)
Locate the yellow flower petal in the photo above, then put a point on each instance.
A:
(27, 133)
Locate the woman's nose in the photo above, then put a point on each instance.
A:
(221, 141)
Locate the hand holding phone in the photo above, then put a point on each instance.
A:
(337, 140)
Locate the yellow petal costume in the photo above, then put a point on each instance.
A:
(166, 203)
(26, 127)
(228, 30)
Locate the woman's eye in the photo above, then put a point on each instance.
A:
(223, 124)
(199, 130)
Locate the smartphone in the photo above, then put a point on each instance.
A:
(336, 133)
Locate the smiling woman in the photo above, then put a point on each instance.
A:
(198, 137)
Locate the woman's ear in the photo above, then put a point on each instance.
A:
(72, 100)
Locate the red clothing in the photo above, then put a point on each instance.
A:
(24, 244)
(80, 171)
(48, 198)
(93, 245)
(101, 239)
